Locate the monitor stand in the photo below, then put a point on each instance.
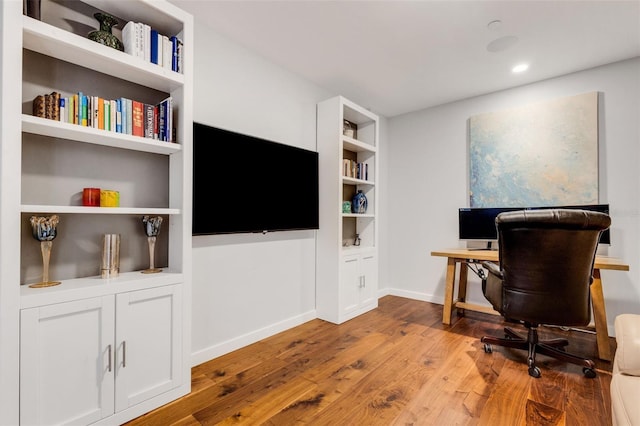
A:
(488, 247)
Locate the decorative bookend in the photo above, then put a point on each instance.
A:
(152, 229)
(44, 230)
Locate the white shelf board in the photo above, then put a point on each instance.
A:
(355, 145)
(351, 250)
(352, 181)
(32, 208)
(75, 132)
(95, 286)
(358, 215)
(55, 42)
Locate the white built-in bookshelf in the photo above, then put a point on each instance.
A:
(91, 350)
(347, 271)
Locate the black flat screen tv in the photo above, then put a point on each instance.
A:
(479, 223)
(245, 184)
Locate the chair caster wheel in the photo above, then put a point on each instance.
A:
(487, 348)
(589, 373)
(534, 372)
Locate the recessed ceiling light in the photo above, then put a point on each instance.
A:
(520, 68)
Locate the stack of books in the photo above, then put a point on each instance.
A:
(142, 41)
(121, 115)
(355, 170)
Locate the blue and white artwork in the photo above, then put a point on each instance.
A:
(545, 154)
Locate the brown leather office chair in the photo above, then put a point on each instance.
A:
(545, 271)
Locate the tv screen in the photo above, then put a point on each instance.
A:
(245, 184)
(479, 223)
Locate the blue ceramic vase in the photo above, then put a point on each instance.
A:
(359, 203)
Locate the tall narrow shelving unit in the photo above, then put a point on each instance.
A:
(347, 270)
(92, 350)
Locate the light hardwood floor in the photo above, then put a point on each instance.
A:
(396, 365)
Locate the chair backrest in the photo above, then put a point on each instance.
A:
(547, 257)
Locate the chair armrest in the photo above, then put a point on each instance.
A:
(628, 339)
(493, 269)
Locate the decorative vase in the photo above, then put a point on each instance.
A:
(43, 229)
(104, 35)
(152, 229)
(359, 203)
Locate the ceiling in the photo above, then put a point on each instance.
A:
(396, 56)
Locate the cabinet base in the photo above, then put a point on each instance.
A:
(45, 284)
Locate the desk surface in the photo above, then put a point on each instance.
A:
(602, 262)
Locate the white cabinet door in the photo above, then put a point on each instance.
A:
(369, 271)
(148, 344)
(350, 281)
(66, 362)
(358, 284)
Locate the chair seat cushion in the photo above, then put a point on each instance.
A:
(625, 394)
(627, 359)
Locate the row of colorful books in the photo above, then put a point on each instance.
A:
(144, 42)
(355, 170)
(121, 115)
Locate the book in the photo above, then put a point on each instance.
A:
(118, 116)
(146, 52)
(167, 57)
(129, 116)
(156, 122)
(107, 114)
(123, 115)
(138, 119)
(129, 35)
(55, 106)
(174, 53)
(154, 46)
(148, 121)
(161, 120)
(70, 109)
(76, 108)
(63, 110)
(95, 108)
(100, 113)
(39, 109)
(180, 68)
(112, 117)
(83, 110)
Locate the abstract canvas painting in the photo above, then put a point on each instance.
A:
(544, 154)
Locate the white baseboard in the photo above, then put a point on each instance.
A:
(215, 351)
(415, 295)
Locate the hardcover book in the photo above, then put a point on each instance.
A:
(39, 106)
(154, 46)
(138, 118)
(148, 121)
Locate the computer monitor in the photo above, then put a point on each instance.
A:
(480, 223)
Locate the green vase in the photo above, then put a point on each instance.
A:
(104, 35)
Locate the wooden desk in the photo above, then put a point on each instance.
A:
(463, 256)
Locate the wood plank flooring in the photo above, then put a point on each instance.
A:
(395, 365)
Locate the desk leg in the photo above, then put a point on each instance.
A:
(462, 285)
(448, 291)
(600, 317)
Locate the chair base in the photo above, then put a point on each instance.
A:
(552, 347)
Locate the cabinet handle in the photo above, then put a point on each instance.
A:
(364, 281)
(109, 368)
(124, 353)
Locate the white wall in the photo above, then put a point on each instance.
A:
(428, 181)
(249, 286)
